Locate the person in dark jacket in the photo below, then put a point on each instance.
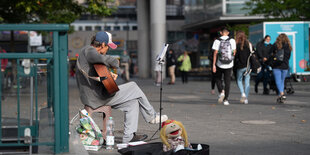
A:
(213, 75)
(263, 50)
(280, 70)
(241, 57)
(171, 63)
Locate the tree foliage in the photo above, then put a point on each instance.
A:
(51, 11)
(280, 9)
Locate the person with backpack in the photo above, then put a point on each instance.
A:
(223, 62)
(241, 64)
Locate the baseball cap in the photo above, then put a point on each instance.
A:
(105, 37)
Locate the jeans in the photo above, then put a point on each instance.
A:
(279, 77)
(240, 77)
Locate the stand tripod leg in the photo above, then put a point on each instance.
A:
(160, 100)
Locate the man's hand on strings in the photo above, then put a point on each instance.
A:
(114, 76)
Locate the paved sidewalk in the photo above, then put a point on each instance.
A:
(217, 125)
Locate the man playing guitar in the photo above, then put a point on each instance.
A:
(130, 99)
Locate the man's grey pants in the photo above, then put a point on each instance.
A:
(130, 99)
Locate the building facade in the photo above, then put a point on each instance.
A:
(206, 17)
(128, 30)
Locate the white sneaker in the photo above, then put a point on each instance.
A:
(226, 102)
(243, 98)
(246, 101)
(156, 119)
(221, 98)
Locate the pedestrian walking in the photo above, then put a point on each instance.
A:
(223, 61)
(263, 50)
(281, 55)
(125, 61)
(185, 67)
(242, 54)
(157, 69)
(213, 77)
(171, 62)
(4, 63)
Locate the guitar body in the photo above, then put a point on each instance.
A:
(109, 83)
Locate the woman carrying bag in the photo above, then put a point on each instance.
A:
(241, 64)
(280, 63)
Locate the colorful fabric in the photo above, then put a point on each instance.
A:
(174, 143)
(186, 64)
(89, 131)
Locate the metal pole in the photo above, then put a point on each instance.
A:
(31, 102)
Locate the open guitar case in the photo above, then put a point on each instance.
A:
(156, 148)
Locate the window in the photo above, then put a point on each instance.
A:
(107, 28)
(116, 28)
(88, 28)
(125, 28)
(80, 28)
(132, 45)
(98, 28)
(134, 27)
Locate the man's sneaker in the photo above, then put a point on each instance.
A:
(221, 98)
(156, 119)
(226, 102)
(243, 98)
(246, 101)
(136, 137)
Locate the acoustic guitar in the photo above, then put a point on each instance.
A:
(109, 83)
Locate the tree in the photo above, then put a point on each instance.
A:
(51, 11)
(280, 9)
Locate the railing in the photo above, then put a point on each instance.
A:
(50, 95)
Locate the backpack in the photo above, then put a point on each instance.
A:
(225, 55)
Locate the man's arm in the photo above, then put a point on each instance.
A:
(215, 48)
(233, 46)
(94, 57)
(214, 60)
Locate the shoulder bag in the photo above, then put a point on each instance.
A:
(252, 63)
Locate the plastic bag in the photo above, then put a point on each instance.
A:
(90, 134)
